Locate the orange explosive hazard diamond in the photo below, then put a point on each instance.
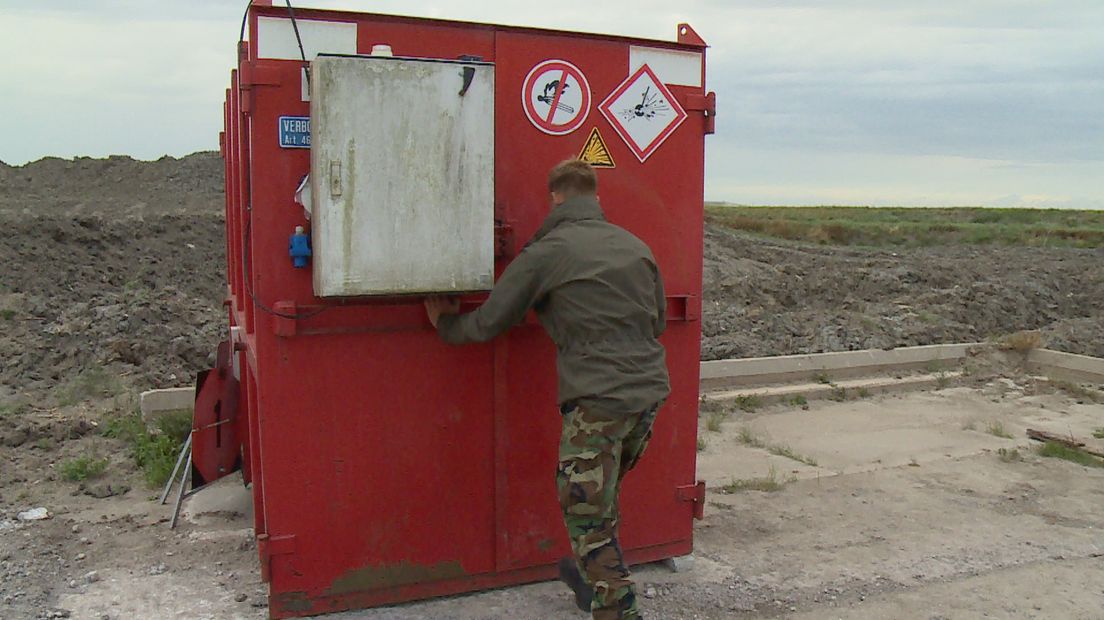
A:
(595, 152)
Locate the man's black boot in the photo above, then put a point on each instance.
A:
(569, 574)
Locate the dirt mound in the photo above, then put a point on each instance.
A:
(117, 186)
(86, 299)
(115, 268)
(765, 297)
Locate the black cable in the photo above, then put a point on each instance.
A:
(247, 242)
(299, 40)
(245, 17)
(295, 27)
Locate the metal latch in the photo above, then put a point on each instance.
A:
(694, 493)
(706, 104)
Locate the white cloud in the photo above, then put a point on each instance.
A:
(866, 101)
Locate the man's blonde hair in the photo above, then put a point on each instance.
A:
(573, 177)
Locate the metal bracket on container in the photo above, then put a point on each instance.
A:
(683, 307)
(707, 105)
(469, 72)
(694, 493)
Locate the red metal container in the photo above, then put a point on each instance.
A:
(385, 465)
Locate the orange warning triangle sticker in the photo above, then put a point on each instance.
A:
(595, 152)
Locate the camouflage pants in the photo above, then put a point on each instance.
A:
(597, 449)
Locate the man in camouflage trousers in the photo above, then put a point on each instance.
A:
(597, 291)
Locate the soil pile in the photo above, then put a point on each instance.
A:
(765, 297)
(115, 267)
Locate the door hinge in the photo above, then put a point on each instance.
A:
(707, 105)
(694, 493)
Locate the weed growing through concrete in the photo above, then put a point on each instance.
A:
(788, 452)
(83, 468)
(749, 438)
(715, 419)
(822, 377)
(838, 394)
(798, 400)
(996, 428)
(1061, 451)
(768, 484)
(747, 402)
(155, 452)
(942, 381)
(1099, 433)
(969, 425)
(1009, 455)
(864, 393)
(933, 367)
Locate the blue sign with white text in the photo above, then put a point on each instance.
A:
(295, 132)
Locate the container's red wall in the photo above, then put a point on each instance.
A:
(387, 465)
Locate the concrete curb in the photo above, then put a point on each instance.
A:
(1066, 366)
(849, 364)
(840, 390)
(157, 402)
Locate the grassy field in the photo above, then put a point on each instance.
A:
(899, 226)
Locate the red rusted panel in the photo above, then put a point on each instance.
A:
(403, 467)
(216, 447)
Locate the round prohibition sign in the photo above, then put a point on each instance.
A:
(556, 97)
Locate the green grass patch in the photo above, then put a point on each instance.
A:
(789, 453)
(996, 429)
(1099, 433)
(7, 314)
(1060, 451)
(913, 227)
(714, 420)
(767, 484)
(83, 468)
(748, 437)
(797, 400)
(154, 452)
(14, 409)
(747, 402)
(91, 383)
(822, 377)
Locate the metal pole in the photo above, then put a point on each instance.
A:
(172, 477)
(180, 493)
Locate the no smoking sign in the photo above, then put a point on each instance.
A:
(556, 97)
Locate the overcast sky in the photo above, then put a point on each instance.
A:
(922, 102)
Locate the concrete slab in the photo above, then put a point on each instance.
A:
(887, 432)
(224, 500)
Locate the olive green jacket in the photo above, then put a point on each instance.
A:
(597, 291)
